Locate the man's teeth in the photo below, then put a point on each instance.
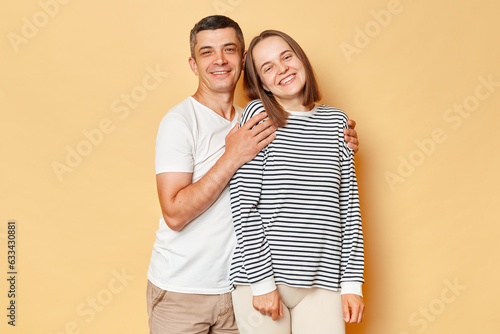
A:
(287, 79)
(221, 72)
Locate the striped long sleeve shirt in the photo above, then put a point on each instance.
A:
(295, 208)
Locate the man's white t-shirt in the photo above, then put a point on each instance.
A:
(191, 138)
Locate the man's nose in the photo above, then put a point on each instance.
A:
(220, 58)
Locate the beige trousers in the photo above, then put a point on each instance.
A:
(179, 313)
(306, 311)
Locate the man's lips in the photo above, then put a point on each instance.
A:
(220, 72)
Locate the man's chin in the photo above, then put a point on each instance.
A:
(224, 88)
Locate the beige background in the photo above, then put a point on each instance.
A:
(428, 175)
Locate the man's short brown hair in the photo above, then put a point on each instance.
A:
(215, 22)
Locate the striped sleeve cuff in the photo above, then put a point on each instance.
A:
(351, 288)
(265, 286)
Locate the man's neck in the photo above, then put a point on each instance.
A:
(220, 103)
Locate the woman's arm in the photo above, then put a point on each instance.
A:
(352, 263)
(245, 189)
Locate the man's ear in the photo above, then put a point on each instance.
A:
(244, 58)
(192, 64)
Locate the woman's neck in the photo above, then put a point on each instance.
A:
(295, 103)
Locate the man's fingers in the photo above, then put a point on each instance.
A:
(351, 140)
(351, 123)
(234, 129)
(259, 128)
(255, 128)
(351, 137)
(350, 133)
(265, 134)
(355, 148)
(254, 120)
(263, 143)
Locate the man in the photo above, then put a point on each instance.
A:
(199, 147)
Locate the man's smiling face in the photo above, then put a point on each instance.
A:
(218, 59)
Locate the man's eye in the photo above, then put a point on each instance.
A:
(231, 49)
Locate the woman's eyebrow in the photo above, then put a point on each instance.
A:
(281, 54)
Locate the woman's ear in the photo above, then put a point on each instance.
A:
(264, 87)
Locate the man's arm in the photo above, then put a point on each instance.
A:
(182, 201)
(351, 136)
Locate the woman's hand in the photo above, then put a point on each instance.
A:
(269, 304)
(354, 308)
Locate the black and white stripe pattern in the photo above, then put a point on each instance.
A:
(296, 208)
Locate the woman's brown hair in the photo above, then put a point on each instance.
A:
(253, 85)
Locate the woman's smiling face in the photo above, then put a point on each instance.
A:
(280, 71)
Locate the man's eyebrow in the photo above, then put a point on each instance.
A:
(205, 48)
(208, 47)
(231, 44)
(281, 54)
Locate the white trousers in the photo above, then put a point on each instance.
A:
(306, 311)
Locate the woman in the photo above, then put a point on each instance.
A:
(295, 206)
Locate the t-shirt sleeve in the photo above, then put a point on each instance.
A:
(174, 145)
